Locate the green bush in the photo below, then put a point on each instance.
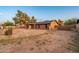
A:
(8, 23)
(70, 21)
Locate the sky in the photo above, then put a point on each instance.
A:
(40, 12)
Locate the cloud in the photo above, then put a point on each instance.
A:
(3, 13)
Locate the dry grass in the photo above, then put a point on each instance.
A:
(24, 40)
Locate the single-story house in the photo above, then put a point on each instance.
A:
(43, 25)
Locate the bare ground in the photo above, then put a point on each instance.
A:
(36, 41)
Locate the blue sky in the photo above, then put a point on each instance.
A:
(40, 12)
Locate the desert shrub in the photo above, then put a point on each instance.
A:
(8, 23)
(70, 21)
(8, 27)
(8, 31)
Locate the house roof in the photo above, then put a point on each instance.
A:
(44, 22)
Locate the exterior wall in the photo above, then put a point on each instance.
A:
(32, 26)
(27, 26)
(40, 26)
(51, 26)
(37, 26)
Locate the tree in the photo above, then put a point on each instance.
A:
(33, 20)
(16, 20)
(71, 21)
(60, 22)
(21, 18)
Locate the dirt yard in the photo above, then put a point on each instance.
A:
(35, 41)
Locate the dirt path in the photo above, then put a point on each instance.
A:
(48, 41)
